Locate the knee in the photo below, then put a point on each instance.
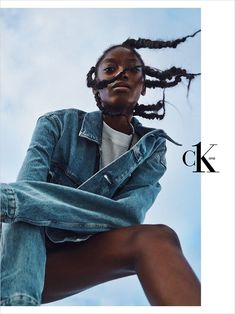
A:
(167, 235)
(143, 241)
(155, 237)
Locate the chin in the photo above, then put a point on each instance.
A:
(119, 107)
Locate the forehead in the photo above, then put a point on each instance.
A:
(120, 54)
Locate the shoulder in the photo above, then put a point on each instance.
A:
(147, 132)
(63, 113)
(70, 116)
(142, 130)
(63, 120)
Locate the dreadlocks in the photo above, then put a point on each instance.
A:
(162, 79)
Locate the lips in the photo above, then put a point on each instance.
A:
(121, 85)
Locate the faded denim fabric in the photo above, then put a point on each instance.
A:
(61, 191)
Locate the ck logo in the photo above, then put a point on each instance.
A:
(198, 158)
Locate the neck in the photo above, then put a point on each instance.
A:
(120, 123)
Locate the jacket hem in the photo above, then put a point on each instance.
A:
(8, 203)
(19, 300)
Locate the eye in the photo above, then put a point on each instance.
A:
(109, 69)
(136, 68)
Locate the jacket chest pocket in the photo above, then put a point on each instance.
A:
(58, 174)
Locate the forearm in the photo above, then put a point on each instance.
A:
(46, 204)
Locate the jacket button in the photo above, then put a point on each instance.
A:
(107, 179)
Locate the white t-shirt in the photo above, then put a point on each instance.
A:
(114, 144)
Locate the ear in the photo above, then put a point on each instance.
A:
(94, 91)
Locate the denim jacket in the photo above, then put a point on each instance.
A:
(65, 150)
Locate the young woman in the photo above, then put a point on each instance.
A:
(73, 218)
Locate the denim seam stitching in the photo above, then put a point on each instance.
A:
(11, 202)
(19, 297)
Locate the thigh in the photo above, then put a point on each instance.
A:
(74, 267)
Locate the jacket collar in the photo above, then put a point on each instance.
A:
(92, 127)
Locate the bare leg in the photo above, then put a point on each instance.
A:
(151, 251)
(163, 271)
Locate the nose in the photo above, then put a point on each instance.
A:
(124, 74)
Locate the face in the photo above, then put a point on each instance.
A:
(123, 93)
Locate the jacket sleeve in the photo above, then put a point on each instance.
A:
(36, 164)
(63, 207)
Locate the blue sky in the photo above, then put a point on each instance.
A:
(46, 54)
